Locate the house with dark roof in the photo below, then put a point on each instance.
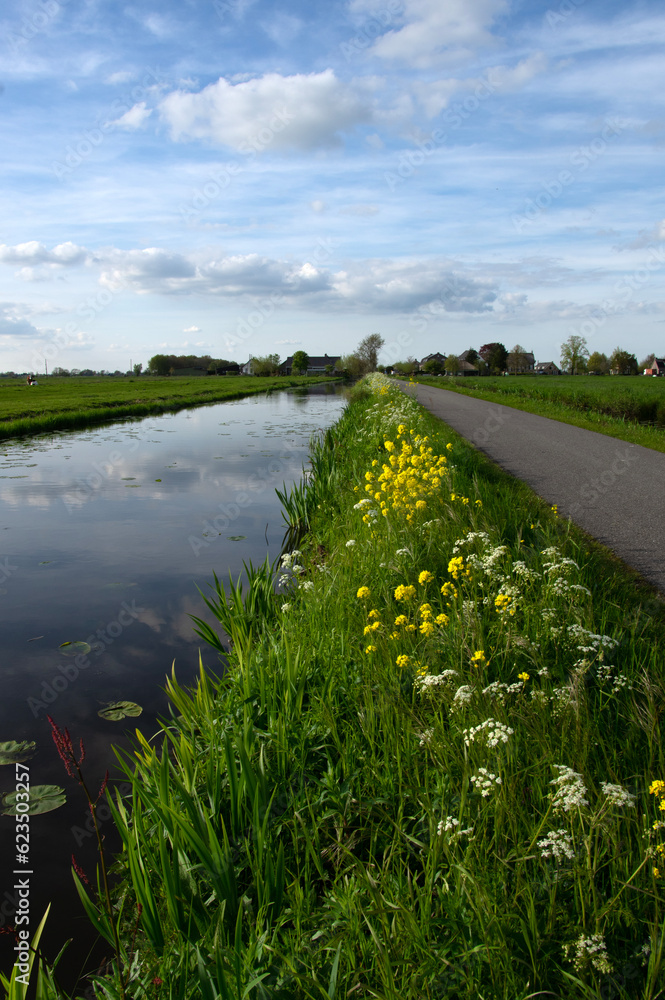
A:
(317, 364)
(441, 358)
(546, 368)
(657, 368)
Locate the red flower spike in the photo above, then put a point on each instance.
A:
(79, 871)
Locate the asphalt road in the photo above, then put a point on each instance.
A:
(613, 490)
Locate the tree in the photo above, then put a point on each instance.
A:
(623, 363)
(300, 363)
(60, 371)
(160, 364)
(495, 356)
(516, 360)
(647, 362)
(452, 364)
(268, 365)
(368, 351)
(598, 363)
(574, 354)
(352, 365)
(472, 355)
(137, 369)
(433, 367)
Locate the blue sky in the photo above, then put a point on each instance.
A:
(239, 177)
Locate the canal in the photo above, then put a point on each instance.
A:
(106, 538)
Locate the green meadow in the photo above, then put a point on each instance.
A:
(66, 403)
(631, 408)
(431, 764)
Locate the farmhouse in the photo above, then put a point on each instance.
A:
(546, 368)
(658, 367)
(317, 365)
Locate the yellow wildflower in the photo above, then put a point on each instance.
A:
(402, 660)
(448, 590)
(442, 619)
(657, 788)
(388, 445)
(425, 611)
(404, 593)
(455, 566)
(425, 577)
(363, 592)
(401, 620)
(427, 628)
(501, 602)
(370, 649)
(478, 658)
(523, 677)
(373, 613)
(449, 447)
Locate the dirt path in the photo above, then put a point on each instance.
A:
(615, 491)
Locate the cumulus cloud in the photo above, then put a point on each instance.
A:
(374, 285)
(646, 237)
(13, 326)
(134, 118)
(301, 112)
(433, 31)
(34, 253)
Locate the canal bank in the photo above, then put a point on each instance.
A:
(427, 748)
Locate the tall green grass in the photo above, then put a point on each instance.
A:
(310, 823)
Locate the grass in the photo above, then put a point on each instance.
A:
(68, 403)
(432, 765)
(626, 407)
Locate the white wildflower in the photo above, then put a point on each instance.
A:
(402, 552)
(558, 844)
(462, 696)
(590, 949)
(490, 732)
(617, 795)
(351, 542)
(306, 585)
(570, 790)
(286, 607)
(450, 825)
(485, 781)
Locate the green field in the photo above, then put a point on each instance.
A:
(628, 407)
(433, 768)
(68, 403)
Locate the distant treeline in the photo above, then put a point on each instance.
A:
(166, 364)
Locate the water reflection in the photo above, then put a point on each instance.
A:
(105, 536)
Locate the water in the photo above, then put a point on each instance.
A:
(105, 536)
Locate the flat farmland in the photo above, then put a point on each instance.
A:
(630, 407)
(69, 402)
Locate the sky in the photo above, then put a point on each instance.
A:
(241, 177)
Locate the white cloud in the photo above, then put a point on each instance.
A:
(134, 118)
(31, 253)
(452, 30)
(192, 329)
(303, 112)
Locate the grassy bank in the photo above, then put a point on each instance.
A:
(626, 407)
(434, 767)
(68, 403)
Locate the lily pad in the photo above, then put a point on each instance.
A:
(12, 752)
(117, 710)
(236, 538)
(74, 648)
(43, 799)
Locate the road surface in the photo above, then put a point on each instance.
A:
(613, 490)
